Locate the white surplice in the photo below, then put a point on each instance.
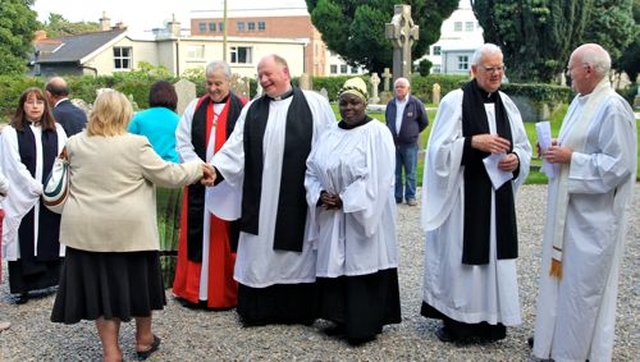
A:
(358, 164)
(575, 317)
(465, 293)
(25, 189)
(257, 264)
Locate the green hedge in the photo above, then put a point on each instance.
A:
(137, 84)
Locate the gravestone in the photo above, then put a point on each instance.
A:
(435, 94)
(186, 91)
(324, 93)
(403, 33)
(80, 103)
(234, 83)
(244, 88)
(375, 82)
(305, 82)
(387, 79)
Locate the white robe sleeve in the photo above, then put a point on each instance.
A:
(604, 167)
(183, 134)
(442, 178)
(21, 197)
(366, 197)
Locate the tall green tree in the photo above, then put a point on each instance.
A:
(611, 25)
(536, 36)
(17, 25)
(57, 26)
(629, 62)
(355, 29)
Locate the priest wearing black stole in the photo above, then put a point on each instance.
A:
(470, 280)
(208, 238)
(265, 161)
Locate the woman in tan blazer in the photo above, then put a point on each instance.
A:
(112, 270)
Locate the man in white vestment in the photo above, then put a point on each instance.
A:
(595, 160)
(477, 156)
(265, 160)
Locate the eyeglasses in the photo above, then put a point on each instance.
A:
(569, 68)
(499, 69)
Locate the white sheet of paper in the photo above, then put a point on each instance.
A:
(498, 177)
(543, 130)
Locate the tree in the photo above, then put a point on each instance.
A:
(611, 25)
(629, 62)
(57, 26)
(355, 28)
(536, 36)
(17, 25)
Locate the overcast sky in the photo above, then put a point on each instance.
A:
(146, 14)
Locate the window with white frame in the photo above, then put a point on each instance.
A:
(251, 26)
(202, 27)
(212, 26)
(241, 55)
(261, 26)
(333, 69)
(457, 26)
(463, 62)
(437, 50)
(241, 26)
(469, 26)
(195, 52)
(122, 58)
(343, 69)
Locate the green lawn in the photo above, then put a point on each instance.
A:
(535, 177)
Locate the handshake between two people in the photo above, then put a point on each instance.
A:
(208, 175)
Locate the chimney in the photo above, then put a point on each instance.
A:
(174, 26)
(105, 23)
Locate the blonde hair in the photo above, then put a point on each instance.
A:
(110, 114)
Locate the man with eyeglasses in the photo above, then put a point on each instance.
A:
(595, 160)
(470, 280)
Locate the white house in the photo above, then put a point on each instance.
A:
(460, 36)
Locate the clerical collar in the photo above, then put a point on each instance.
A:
(284, 95)
(224, 100)
(487, 97)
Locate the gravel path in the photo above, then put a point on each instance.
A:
(190, 335)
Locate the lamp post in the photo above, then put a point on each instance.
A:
(224, 32)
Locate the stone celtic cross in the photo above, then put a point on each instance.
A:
(403, 33)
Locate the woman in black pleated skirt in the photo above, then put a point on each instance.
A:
(111, 272)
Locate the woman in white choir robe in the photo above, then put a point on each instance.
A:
(29, 145)
(350, 183)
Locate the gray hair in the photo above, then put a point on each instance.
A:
(218, 64)
(403, 80)
(485, 49)
(597, 57)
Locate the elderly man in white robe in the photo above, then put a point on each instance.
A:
(265, 160)
(478, 139)
(595, 162)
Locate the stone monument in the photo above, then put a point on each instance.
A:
(387, 79)
(305, 82)
(403, 33)
(435, 94)
(375, 82)
(186, 91)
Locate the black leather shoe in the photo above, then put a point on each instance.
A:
(21, 298)
(444, 336)
(143, 355)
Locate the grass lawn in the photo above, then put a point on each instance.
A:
(535, 177)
